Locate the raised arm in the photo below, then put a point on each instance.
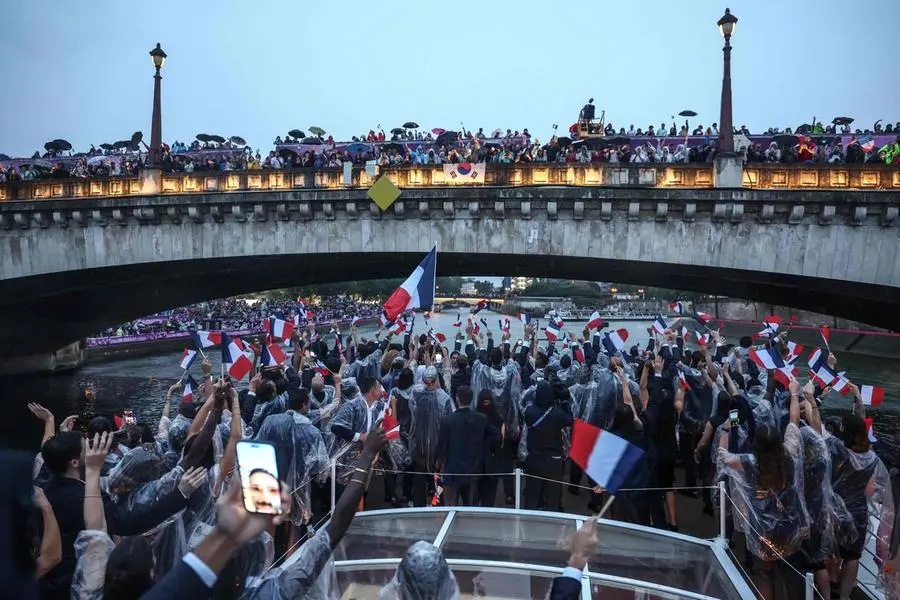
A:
(95, 452)
(794, 413)
(51, 543)
(46, 418)
(237, 430)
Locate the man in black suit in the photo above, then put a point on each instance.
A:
(464, 435)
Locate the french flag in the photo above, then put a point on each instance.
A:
(703, 317)
(614, 341)
(703, 339)
(504, 325)
(187, 389)
(206, 339)
(272, 356)
(187, 358)
(659, 325)
(682, 381)
(354, 321)
(870, 429)
(391, 426)
(784, 375)
(767, 358)
(685, 334)
(826, 334)
(321, 369)
(794, 350)
(553, 329)
(872, 395)
(278, 328)
(417, 291)
(440, 338)
(578, 353)
(819, 370)
(233, 357)
(398, 328)
(841, 385)
(482, 304)
(604, 456)
(524, 318)
(677, 307)
(596, 321)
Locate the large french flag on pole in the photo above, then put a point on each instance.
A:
(604, 456)
(234, 359)
(417, 291)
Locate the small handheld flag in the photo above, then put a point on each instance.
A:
(524, 318)
(233, 357)
(703, 317)
(206, 339)
(614, 341)
(279, 328)
(272, 356)
(872, 395)
(187, 358)
(605, 457)
(187, 390)
(596, 321)
(682, 381)
(767, 358)
(826, 335)
(553, 329)
(659, 325)
(482, 304)
(354, 321)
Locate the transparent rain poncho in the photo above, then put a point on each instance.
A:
(594, 402)
(775, 520)
(138, 468)
(423, 574)
(225, 428)
(506, 385)
(352, 415)
(370, 366)
(698, 400)
(301, 457)
(863, 483)
(427, 409)
(827, 511)
(310, 577)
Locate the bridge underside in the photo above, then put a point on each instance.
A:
(45, 312)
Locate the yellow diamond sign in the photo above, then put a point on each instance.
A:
(384, 193)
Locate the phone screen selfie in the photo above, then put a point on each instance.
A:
(259, 477)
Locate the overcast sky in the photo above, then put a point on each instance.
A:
(80, 70)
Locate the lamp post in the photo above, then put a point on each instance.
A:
(159, 58)
(726, 130)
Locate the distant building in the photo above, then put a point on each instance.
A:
(506, 283)
(467, 288)
(520, 283)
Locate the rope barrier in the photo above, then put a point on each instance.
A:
(744, 572)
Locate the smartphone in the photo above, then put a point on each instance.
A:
(260, 481)
(128, 417)
(439, 358)
(733, 415)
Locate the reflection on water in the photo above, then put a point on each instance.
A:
(141, 383)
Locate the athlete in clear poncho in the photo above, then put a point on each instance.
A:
(767, 488)
(300, 454)
(423, 574)
(356, 416)
(428, 405)
(505, 382)
(862, 481)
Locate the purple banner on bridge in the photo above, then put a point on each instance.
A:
(162, 335)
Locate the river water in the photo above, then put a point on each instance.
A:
(141, 383)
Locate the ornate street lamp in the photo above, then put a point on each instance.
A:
(726, 130)
(159, 58)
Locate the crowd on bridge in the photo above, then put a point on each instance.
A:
(808, 143)
(239, 314)
(134, 510)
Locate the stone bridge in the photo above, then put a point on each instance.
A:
(80, 255)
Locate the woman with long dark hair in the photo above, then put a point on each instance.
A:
(767, 488)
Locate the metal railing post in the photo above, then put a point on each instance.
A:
(810, 586)
(333, 484)
(723, 503)
(518, 474)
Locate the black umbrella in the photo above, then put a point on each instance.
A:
(122, 144)
(392, 146)
(311, 140)
(687, 113)
(593, 143)
(446, 138)
(237, 140)
(106, 146)
(62, 144)
(286, 152)
(4, 157)
(842, 120)
(296, 133)
(203, 137)
(51, 146)
(217, 139)
(397, 130)
(136, 137)
(316, 130)
(411, 125)
(563, 142)
(786, 139)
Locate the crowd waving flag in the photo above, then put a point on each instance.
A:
(417, 291)
(604, 456)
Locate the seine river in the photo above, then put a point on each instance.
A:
(141, 383)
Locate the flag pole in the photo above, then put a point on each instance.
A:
(606, 506)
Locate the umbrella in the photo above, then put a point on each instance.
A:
(203, 137)
(286, 152)
(411, 125)
(563, 141)
(136, 137)
(217, 139)
(619, 141)
(134, 146)
(316, 130)
(592, 143)
(106, 146)
(354, 148)
(842, 120)
(438, 131)
(4, 157)
(43, 164)
(311, 140)
(397, 130)
(122, 144)
(687, 113)
(296, 133)
(392, 146)
(446, 138)
(785, 139)
(50, 146)
(62, 144)
(237, 140)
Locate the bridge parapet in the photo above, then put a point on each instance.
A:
(696, 176)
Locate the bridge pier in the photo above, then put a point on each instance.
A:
(729, 171)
